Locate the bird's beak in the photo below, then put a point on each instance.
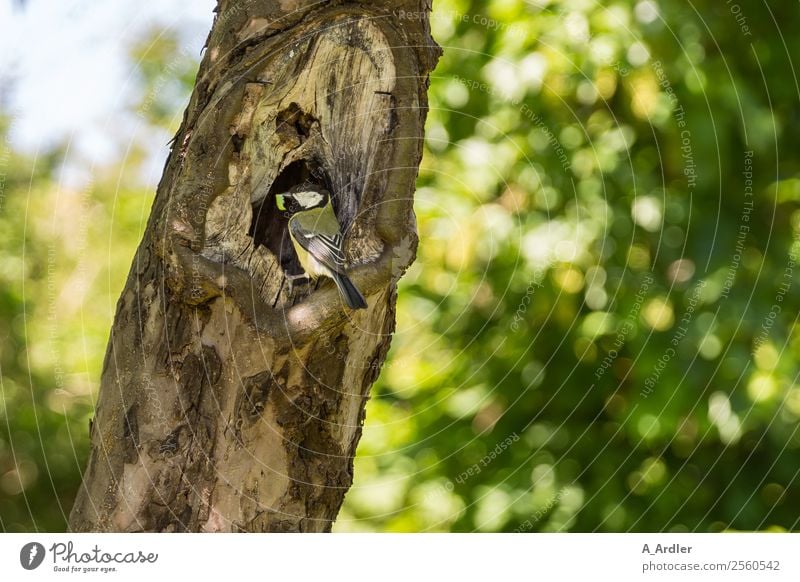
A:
(281, 202)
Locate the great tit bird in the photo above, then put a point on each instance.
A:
(317, 239)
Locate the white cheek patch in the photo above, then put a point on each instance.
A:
(308, 199)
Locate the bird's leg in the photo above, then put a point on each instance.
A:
(290, 279)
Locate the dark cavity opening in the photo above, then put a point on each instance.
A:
(269, 226)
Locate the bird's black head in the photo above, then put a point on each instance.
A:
(304, 197)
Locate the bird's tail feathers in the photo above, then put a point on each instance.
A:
(351, 295)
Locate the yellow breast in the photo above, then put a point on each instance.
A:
(309, 263)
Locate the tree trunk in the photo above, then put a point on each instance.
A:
(229, 402)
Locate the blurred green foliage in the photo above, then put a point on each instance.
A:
(600, 331)
(64, 256)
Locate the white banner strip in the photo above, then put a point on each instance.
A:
(400, 557)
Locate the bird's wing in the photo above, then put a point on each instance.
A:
(325, 247)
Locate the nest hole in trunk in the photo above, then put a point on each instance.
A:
(269, 226)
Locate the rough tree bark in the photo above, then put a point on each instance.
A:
(227, 402)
